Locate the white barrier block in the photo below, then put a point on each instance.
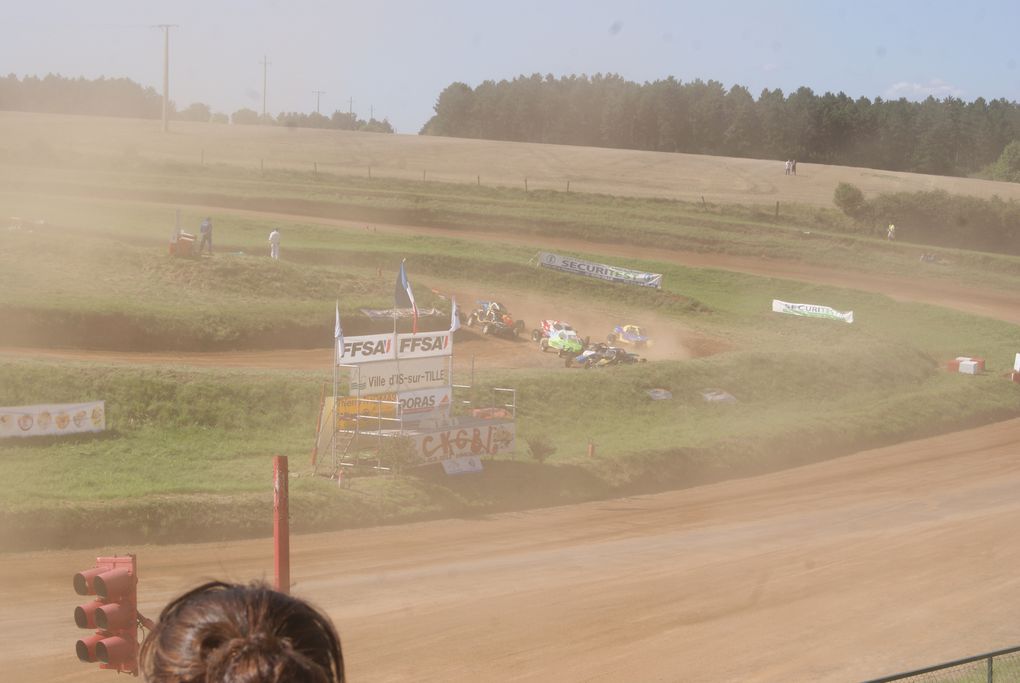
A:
(1016, 363)
(968, 367)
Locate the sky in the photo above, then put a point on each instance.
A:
(394, 57)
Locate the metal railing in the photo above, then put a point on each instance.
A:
(1001, 666)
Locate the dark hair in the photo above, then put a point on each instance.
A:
(231, 633)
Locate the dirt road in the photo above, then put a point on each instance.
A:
(851, 568)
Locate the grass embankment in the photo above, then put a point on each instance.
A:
(89, 291)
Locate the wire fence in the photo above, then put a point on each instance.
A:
(1002, 666)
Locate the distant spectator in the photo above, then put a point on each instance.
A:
(274, 244)
(793, 167)
(890, 233)
(231, 633)
(789, 165)
(206, 230)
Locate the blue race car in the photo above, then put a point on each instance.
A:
(629, 334)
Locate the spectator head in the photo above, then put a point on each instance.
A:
(230, 633)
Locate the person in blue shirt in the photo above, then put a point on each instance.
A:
(206, 230)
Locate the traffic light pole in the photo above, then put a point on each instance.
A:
(281, 527)
(113, 614)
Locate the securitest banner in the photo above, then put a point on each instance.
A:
(398, 376)
(370, 348)
(569, 264)
(47, 420)
(811, 311)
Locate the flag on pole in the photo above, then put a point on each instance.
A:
(454, 317)
(338, 333)
(403, 297)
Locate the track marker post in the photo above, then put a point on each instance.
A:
(281, 525)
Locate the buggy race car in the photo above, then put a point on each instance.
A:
(547, 327)
(566, 342)
(629, 334)
(494, 318)
(602, 355)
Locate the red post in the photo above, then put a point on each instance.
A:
(281, 528)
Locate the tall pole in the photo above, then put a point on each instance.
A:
(318, 94)
(281, 524)
(166, 74)
(265, 69)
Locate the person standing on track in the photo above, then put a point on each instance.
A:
(274, 244)
(206, 230)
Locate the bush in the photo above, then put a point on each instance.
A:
(539, 447)
(850, 200)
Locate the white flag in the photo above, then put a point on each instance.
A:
(338, 333)
(454, 318)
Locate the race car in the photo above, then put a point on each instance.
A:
(629, 334)
(547, 327)
(602, 355)
(565, 342)
(494, 318)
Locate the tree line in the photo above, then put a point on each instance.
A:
(941, 136)
(54, 94)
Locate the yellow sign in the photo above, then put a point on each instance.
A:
(348, 407)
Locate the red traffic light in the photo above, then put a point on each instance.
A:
(114, 613)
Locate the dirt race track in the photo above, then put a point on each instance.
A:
(851, 568)
(865, 565)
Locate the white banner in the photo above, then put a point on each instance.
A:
(369, 379)
(811, 311)
(369, 348)
(424, 345)
(43, 420)
(601, 271)
(479, 439)
(425, 403)
(466, 465)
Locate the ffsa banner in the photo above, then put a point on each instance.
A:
(379, 347)
(45, 420)
(601, 271)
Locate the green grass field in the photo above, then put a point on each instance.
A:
(188, 453)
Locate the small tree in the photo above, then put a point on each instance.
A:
(539, 447)
(245, 117)
(850, 200)
(1008, 166)
(397, 452)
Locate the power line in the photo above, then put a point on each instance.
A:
(166, 73)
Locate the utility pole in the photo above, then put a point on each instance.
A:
(166, 73)
(318, 94)
(265, 68)
(371, 112)
(351, 110)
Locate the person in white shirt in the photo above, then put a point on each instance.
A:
(274, 244)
